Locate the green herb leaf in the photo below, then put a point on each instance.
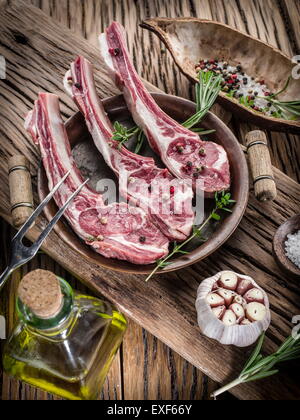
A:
(260, 376)
(215, 216)
(255, 354)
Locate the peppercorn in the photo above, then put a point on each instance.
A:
(196, 175)
(180, 149)
(239, 68)
(245, 80)
(256, 93)
(202, 152)
(142, 239)
(172, 190)
(189, 164)
(201, 168)
(78, 85)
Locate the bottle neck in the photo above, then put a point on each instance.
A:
(57, 320)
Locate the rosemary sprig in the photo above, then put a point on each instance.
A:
(207, 91)
(259, 367)
(285, 109)
(222, 203)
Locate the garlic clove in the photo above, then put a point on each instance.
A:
(227, 295)
(228, 280)
(245, 322)
(219, 311)
(254, 295)
(240, 300)
(244, 286)
(229, 318)
(256, 311)
(238, 310)
(214, 300)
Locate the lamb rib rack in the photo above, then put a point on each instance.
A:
(181, 150)
(167, 200)
(114, 231)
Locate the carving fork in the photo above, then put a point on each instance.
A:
(22, 254)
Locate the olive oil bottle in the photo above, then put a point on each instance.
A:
(64, 342)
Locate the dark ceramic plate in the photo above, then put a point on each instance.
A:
(93, 166)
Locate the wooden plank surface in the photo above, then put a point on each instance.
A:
(176, 291)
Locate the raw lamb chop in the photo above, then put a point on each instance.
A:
(167, 199)
(114, 231)
(181, 150)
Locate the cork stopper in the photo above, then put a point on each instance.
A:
(40, 290)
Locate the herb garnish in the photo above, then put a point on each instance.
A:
(122, 134)
(222, 203)
(207, 91)
(259, 367)
(287, 110)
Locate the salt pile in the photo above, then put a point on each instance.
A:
(292, 247)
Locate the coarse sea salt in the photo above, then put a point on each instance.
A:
(292, 248)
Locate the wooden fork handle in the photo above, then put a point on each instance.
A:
(261, 166)
(21, 197)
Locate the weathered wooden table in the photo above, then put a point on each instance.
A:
(38, 51)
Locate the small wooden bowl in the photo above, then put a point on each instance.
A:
(84, 151)
(291, 226)
(192, 39)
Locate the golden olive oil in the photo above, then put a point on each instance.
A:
(68, 355)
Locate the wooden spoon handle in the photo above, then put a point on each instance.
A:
(261, 166)
(21, 197)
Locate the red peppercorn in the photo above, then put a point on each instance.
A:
(234, 76)
(172, 190)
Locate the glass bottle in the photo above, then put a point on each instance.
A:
(68, 354)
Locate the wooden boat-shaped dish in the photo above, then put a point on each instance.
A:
(192, 39)
(92, 164)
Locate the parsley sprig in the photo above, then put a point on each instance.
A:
(223, 202)
(122, 134)
(259, 367)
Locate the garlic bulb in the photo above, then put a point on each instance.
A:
(232, 309)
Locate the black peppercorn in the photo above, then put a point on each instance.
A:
(142, 239)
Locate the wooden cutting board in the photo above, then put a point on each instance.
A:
(38, 52)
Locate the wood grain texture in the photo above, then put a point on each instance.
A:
(249, 251)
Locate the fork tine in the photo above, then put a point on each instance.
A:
(36, 246)
(20, 235)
